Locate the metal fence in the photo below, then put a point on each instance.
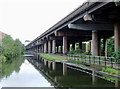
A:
(99, 60)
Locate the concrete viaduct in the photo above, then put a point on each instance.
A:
(92, 21)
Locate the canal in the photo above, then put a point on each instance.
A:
(34, 72)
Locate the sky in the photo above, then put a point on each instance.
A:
(27, 19)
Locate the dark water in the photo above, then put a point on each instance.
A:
(32, 72)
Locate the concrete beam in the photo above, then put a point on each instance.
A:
(91, 26)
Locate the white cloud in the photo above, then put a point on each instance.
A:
(27, 19)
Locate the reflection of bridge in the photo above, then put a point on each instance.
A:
(62, 75)
(92, 22)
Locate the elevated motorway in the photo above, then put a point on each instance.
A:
(92, 22)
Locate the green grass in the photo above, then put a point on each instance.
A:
(51, 57)
(111, 71)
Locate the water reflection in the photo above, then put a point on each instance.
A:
(63, 76)
(11, 66)
(37, 72)
(21, 73)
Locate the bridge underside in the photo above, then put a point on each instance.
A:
(94, 24)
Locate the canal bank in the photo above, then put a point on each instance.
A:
(89, 69)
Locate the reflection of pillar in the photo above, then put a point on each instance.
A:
(117, 35)
(93, 77)
(117, 83)
(54, 47)
(49, 64)
(64, 44)
(64, 69)
(55, 79)
(53, 65)
(45, 62)
(94, 43)
(80, 45)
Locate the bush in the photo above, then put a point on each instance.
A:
(11, 48)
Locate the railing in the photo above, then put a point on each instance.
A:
(99, 60)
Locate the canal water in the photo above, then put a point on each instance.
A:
(34, 72)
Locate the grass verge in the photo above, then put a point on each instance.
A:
(51, 57)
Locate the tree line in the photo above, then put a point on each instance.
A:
(10, 48)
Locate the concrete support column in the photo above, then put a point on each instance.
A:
(49, 46)
(105, 46)
(80, 45)
(45, 47)
(65, 45)
(117, 35)
(54, 47)
(94, 43)
(86, 47)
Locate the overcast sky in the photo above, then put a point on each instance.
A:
(27, 19)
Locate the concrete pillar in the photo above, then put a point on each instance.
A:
(45, 47)
(117, 35)
(86, 47)
(80, 45)
(73, 45)
(105, 46)
(54, 47)
(65, 45)
(94, 43)
(64, 69)
(49, 46)
(53, 65)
